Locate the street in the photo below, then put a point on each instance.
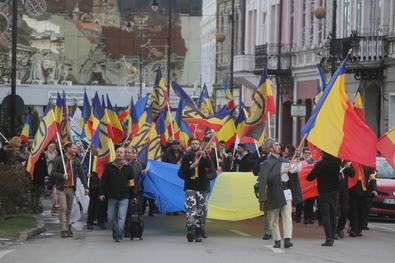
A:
(164, 240)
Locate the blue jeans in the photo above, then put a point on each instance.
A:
(117, 209)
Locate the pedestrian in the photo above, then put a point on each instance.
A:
(193, 168)
(346, 171)
(241, 160)
(359, 200)
(327, 173)
(274, 177)
(65, 171)
(118, 180)
(96, 208)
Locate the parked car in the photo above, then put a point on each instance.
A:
(384, 203)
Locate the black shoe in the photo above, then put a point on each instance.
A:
(359, 234)
(203, 233)
(298, 220)
(151, 215)
(365, 228)
(176, 214)
(328, 243)
(287, 243)
(168, 214)
(266, 237)
(341, 233)
(190, 234)
(198, 235)
(352, 234)
(89, 227)
(277, 244)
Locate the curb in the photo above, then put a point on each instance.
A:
(32, 231)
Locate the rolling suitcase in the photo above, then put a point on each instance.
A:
(136, 225)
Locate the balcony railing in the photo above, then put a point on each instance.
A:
(269, 53)
(364, 49)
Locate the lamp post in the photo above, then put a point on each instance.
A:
(154, 7)
(13, 64)
(129, 28)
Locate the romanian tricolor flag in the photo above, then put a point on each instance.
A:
(130, 120)
(113, 123)
(262, 107)
(181, 130)
(229, 96)
(227, 133)
(335, 128)
(100, 138)
(386, 146)
(57, 110)
(358, 105)
(27, 129)
(47, 129)
(324, 79)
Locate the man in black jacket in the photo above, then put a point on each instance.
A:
(119, 181)
(241, 160)
(193, 168)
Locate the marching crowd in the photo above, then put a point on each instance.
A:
(278, 188)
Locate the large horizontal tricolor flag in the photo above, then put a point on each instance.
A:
(386, 146)
(358, 105)
(335, 128)
(27, 129)
(47, 129)
(262, 107)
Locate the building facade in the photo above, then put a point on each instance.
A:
(288, 37)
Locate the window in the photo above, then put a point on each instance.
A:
(346, 18)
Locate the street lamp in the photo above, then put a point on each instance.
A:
(154, 7)
(129, 28)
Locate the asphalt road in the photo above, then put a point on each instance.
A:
(165, 241)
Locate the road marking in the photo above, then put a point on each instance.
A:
(240, 233)
(275, 250)
(5, 252)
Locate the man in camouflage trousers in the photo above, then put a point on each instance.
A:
(193, 171)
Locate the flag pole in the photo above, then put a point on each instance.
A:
(257, 150)
(268, 120)
(61, 152)
(5, 139)
(300, 145)
(171, 121)
(89, 146)
(89, 167)
(205, 148)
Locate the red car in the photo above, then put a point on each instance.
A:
(384, 203)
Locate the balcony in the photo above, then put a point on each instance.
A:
(367, 56)
(269, 54)
(365, 49)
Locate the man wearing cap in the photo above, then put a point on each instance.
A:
(65, 173)
(274, 177)
(173, 154)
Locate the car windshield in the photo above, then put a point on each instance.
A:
(384, 169)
